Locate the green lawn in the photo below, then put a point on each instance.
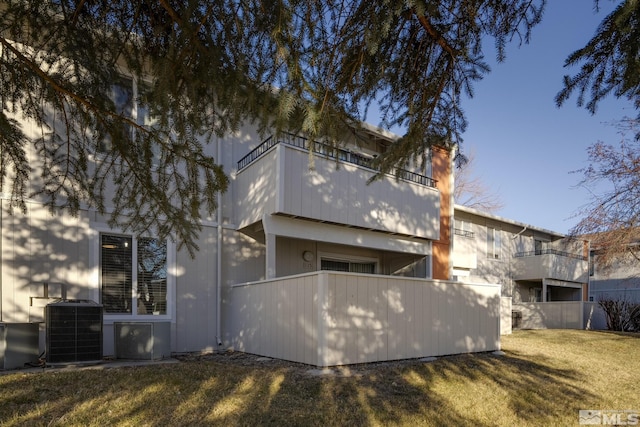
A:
(544, 379)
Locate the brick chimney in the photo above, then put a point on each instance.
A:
(441, 172)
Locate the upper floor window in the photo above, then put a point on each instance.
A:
(133, 275)
(494, 243)
(463, 228)
(126, 94)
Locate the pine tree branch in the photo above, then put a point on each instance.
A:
(172, 13)
(53, 83)
(451, 61)
(71, 94)
(76, 13)
(436, 36)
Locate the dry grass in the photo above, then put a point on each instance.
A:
(544, 379)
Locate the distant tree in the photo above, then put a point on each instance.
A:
(610, 65)
(610, 61)
(469, 189)
(612, 218)
(201, 68)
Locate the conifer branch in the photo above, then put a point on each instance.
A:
(76, 12)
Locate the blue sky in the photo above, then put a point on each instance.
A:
(524, 146)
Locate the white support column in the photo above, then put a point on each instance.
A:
(270, 255)
(544, 290)
(270, 247)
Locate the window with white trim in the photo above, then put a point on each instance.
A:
(133, 275)
(494, 243)
(126, 94)
(463, 228)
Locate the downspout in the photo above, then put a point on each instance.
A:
(1, 253)
(520, 232)
(587, 247)
(452, 210)
(219, 258)
(511, 281)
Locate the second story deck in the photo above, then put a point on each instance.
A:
(551, 263)
(281, 176)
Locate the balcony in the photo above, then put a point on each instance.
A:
(550, 264)
(279, 177)
(465, 249)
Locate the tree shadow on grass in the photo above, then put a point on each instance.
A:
(441, 392)
(472, 389)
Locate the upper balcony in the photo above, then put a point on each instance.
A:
(280, 177)
(551, 264)
(465, 249)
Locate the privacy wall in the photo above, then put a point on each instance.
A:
(331, 318)
(559, 315)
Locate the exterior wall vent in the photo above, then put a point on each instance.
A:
(142, 340)
(73, 331)
(18, 344)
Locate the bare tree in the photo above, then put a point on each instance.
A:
(609, 66)
(612, 218)
(469, 189)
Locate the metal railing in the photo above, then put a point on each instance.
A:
(329, 152)
(550, 252)
(463, 233)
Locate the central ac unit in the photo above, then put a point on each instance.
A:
(73, 331)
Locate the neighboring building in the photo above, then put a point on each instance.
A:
(531, 263)
(620, 280)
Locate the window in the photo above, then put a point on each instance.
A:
(538, 247)
(535, 294)
(494, 243)
(592, 263)
(417, 268)
(353, 267)
(124, 94)
(463, 228)
(129, 288)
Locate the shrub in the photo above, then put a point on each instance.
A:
(621, 314)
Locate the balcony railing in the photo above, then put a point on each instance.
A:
(330, 152)
(463, 233)
(550, 252)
